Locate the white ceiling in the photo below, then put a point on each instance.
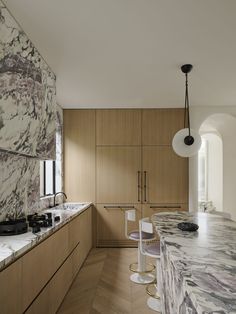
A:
(127, 53)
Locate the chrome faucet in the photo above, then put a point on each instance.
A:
(54, 199)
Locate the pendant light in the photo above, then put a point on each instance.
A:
(186, 142)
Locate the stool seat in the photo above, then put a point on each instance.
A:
(134, 235)
(153, 249)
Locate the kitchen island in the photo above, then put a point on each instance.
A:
(198, 269)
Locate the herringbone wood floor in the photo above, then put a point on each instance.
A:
(103, 286)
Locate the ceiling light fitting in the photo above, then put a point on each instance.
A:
(186, 142)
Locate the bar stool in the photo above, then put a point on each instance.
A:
(152, 250)
(142, 271)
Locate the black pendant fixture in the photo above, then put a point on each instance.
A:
(186, 142)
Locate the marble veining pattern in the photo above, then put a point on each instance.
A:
(12, 247)
(20, 179)
(198, 268)
(27, 93)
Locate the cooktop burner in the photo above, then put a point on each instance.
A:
(13, 227)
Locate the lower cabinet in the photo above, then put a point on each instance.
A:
(11, 289)
(52, 295)
(111, 225)
(38, 281)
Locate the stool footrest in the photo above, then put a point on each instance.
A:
(152, 291)
(134, 268)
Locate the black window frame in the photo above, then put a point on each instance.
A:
(45, 178)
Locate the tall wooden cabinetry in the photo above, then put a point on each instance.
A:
(79, 155)
(118, 168)
(133, 162)
(165, 174)
(136, 167)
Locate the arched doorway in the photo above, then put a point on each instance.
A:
(217, 164)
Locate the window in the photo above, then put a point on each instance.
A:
(47, 177)
(202, 171)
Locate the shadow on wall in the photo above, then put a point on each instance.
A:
(219, 132)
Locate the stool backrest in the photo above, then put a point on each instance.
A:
(130, 215)
(144, 226)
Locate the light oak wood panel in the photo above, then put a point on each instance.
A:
(39, 265)
(166, 175)
(149, 210)
(85, 233)
(111, 225)
(51, 297)
(80, 231)
(74, 232)
(79, 155)
(80, 235)
(11, 289)
(118, 127)
(160, 125)
(117, 174)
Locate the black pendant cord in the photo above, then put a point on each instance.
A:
(187, 104)
(188, 140)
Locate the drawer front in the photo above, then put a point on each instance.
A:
(51, 297)
(111, 225)
(39, 265)
(10, 289)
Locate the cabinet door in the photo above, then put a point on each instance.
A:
(39, 265)
(149, 210)
(165, 175)
(85, 233)
(53, 293)
(11, 289)
(118, 127)
(160, 125)
(111, 225)
(117, 174)
(79, 155)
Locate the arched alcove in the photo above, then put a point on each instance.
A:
(218, 132)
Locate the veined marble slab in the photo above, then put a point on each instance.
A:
(198, 269)
(12, 247)
(28, 93)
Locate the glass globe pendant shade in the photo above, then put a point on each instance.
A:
(184, 145)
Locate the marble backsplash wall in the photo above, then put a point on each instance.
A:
(28, 116)
(27, 93)
(20, 179)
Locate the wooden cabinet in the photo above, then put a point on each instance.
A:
(117, 174)
(111, 225)
(79, 155)
(165, 175)
(52, 295)
(131, 162)
(39, 265)
(11, 289)
(85, 232)
(38, 281)
(118, 127)
(160, 125)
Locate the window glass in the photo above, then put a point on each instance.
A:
(202, 172)
(47, 177)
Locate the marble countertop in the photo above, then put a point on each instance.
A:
(11, 247)
(198, 269)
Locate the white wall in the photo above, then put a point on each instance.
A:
(215, 169)
(198, 116)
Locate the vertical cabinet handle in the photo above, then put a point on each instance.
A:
(145, 185)
(139, 185)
